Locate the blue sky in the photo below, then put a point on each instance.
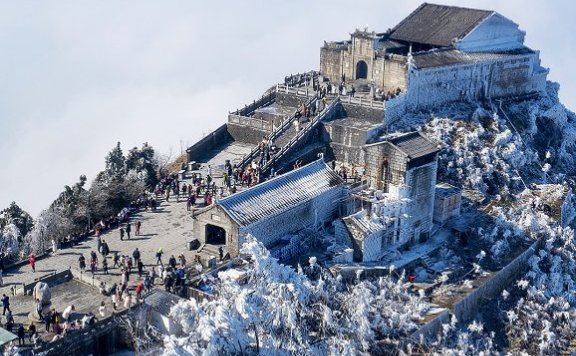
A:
(78, 76)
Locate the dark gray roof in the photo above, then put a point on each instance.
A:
(280, 193)
(389, 44)
(438, 25)
(161, 301)
(414, 144)
(449, 57)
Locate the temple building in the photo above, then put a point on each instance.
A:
(305, 198)
(439, 54)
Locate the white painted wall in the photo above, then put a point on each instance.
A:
(513, 76)
(495, 33)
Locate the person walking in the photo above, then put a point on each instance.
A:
(102, 309)
(82, 263)
(31, 331)
(104, 249)
(121, 234)
(32, 262)
(67, 313)
(21, 335)
(182, 260)
(105, 265)
(6, 303)
(54, 246)
(138, 290)
(136, 255)
(172, 262)
(128, 230)
(9, 322)
(39, 309)
(116, 259)
(140, 266)
(159, 256)
(138, 226)
(220, 252)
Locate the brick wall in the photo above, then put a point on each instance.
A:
(395, 73)
(331, 63)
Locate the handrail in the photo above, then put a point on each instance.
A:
(274, 135)
(299, 135)
(344, 99)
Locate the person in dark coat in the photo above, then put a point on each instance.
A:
(21, 334)
(82, 262)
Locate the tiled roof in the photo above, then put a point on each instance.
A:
(414, 144)
(280, 193)
(438, 25)
(444, 58)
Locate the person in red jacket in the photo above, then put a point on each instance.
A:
(32, 262)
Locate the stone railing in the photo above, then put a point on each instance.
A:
(266, 99)
(293, 141)
(306, 92)
(286, 124)
(250, 121)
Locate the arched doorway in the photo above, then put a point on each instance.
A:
(361, 70)
(215, 235)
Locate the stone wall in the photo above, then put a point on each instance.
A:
(344, 153)
(422, 183)
(395, 73)
(376, 156)
(216, 138)
(216, 216)
(103, 338)
(341, 233)
(374, 115)
(291, 99)
(246, 134)
(465, 309)
(331, 63)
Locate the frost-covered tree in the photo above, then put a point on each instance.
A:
(15, 215)
(143, 161)
(280, 309)
(116, 163)
(10, 240)
(542, 319)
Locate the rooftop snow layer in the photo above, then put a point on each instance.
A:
(432, 59)
(280, 193)
(413, 144)
(438, 25)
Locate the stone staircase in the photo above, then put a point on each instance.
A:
(302, 134)
(280, 136)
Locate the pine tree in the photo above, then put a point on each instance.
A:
(15, 215)
(143, 161)
(116, 163)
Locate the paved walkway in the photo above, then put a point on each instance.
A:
(170, 227)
